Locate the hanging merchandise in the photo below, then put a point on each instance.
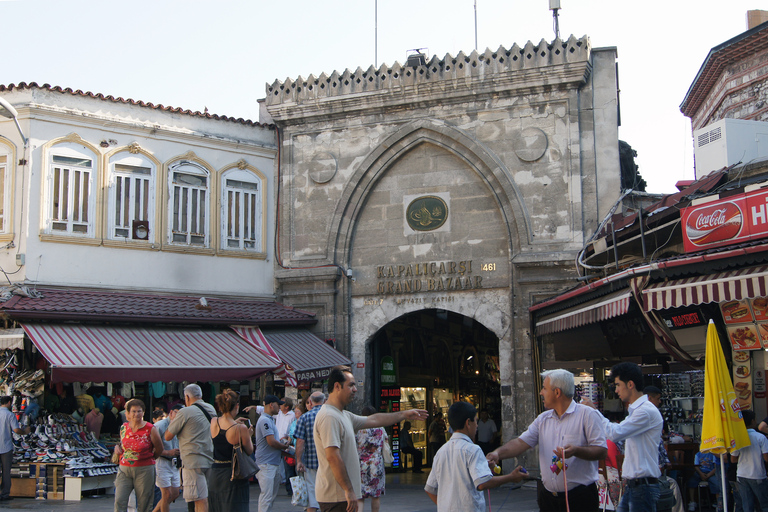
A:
(158, 389)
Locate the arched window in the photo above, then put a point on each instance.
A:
(6, 168)
(71, 190)
(188, 204)
(241, 211)
(131, 197)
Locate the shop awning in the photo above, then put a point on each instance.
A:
(11, 339)
(310, 357)
(81, 353)
(746, 283)
(596, 310)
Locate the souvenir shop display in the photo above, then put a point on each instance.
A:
(592, 391)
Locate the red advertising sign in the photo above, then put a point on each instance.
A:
(736, 219)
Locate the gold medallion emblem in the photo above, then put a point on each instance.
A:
(426, 213)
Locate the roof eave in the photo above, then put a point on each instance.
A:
(23, 315)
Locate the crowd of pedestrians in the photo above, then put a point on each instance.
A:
(340, 455)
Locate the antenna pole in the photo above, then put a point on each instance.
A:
(376, 34)
(557, 23)
(475, 25)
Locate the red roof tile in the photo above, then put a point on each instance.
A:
(128, 101)
(101, 306)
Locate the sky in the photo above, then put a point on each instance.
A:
(221, 54)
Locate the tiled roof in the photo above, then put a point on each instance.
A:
(128, 101)
(102, 306)
(745, 44)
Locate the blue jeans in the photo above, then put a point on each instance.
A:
(641, 498)
(753, 492)
(737, 507)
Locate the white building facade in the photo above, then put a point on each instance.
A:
(121, 195)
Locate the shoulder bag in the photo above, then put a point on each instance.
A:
(386, 453)
(243, 466)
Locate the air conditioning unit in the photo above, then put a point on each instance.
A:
(727, 142)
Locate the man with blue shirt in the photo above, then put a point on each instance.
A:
(306, 453)
(642, 431)
(269, 451)
(8, 425)
(753, 486)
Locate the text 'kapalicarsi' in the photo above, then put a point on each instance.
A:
(426, 277)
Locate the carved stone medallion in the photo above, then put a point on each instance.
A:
(426, 213)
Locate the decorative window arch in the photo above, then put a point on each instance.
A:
(131, 195)
(242, 209)
(70, 189)
(189, 185)
(7, 153)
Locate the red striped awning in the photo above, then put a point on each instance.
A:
(596, 310)
(254, 336)
(82, 353)
(309, 356)
(746, 283)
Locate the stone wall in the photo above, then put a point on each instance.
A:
(519, 149)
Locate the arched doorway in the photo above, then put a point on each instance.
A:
(438, 357)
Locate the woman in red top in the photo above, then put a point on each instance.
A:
(140, 445)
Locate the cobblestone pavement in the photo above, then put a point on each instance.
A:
(405, 493)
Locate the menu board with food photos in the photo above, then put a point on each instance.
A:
(760, 308)
(744, 337)
(762, 331)
(742, 379)
(736, 312)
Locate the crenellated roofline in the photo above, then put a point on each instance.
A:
(565, 62)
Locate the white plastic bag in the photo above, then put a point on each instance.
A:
(300, 497)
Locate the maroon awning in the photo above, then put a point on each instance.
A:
(82, 353)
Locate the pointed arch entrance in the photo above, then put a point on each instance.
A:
(438, 357)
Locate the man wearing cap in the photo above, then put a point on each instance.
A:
(268, 450)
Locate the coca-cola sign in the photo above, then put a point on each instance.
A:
(710, 224)
(735, 219)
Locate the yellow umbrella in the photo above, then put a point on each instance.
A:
(722, 428)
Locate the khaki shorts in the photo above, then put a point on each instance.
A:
(195, 482)
(167, 474)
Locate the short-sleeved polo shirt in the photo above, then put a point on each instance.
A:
(336, 428)
(265, 454)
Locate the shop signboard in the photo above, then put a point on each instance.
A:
(759, 383)
(388, 377)
(390, 402)
(683, 319)
(736, 219)
(742, 379)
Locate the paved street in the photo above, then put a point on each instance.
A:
(405, 493)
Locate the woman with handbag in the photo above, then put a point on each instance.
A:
(226, 493)
(370, 444)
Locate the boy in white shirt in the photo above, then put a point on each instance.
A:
(460, 471)
(753, 486)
